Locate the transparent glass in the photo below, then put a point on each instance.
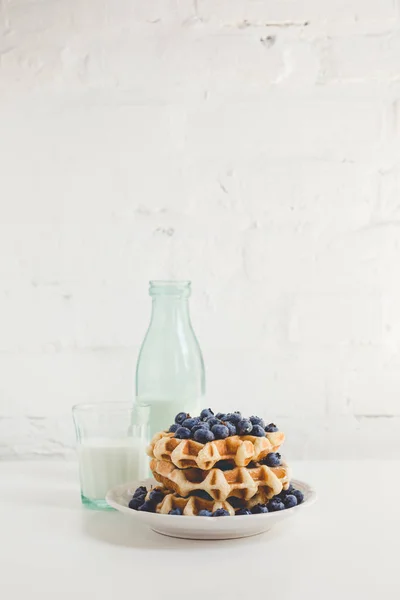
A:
(170, 375)
(111, 446)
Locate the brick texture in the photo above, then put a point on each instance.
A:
(251, 146)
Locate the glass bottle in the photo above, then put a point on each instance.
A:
(170, 376)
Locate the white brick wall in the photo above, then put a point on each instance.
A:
(249, 145)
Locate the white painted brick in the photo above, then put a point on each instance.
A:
(321, 126)
(336, 319)
(361, 58)
(224, 142)
(292, 13)
(375, 393)
(49, 384)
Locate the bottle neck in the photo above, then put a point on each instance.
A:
(169, 311)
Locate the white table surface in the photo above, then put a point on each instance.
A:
(345, 546)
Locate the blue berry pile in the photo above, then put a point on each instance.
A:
(286, 499)
(209, 427)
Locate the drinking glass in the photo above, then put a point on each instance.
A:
(111, 445)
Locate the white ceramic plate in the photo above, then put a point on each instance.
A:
(205, 528)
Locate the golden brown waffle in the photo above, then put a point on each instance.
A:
(190, 506)
(240, 482)
(240, 450)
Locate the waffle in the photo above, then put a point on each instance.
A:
(240, 482)
(190, 506)
(240, 450)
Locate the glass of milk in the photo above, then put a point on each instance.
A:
(111, 446)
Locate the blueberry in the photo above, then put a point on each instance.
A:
(204, 435)
(206, 413)
(220, 431)
(201, 494)
(235, 502)
(234, 417)
(140, 498)
(258, 431)
(156, 496)
(273, 459)
(290, 489)
(173, 427)
(244, 427)
(231, 427)
(257, 421)
(299, 496)
(205, 513)
(182, 433)
(224, 465)
(242, 511)
(258, 509)
(191, 422)
(271, 428)
(135, 503)
(180, 417)
(148, 506)
(289, 501)
(275, 504)
(202, 425)
(175, 511)
(221, 416)
(213, 421)
(140, 491)
(220, 512)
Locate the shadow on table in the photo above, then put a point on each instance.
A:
(110, 528)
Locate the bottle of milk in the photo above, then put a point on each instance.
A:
(170, 375)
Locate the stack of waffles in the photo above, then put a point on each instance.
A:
(228, 474)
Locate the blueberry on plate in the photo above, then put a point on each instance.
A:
(206, 413)
(182, 433)
(231, 427)
(173, 427)
(273, 459)
(205, 513)
(244, 427)
(202, 425)
(299, 495)
(243, 511)
(234, 417)
(258, 431)
(180, 417)
(220, 512)
(275, 504)
(258, 509)
(289, 501)
(257, 421)
(156, 496)
(271, 428)
(135, 503)
(203, 435)
(175, 511)
(221, 416)
(191, 422)
(140, 491)
(220, 431)
(147, 506)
